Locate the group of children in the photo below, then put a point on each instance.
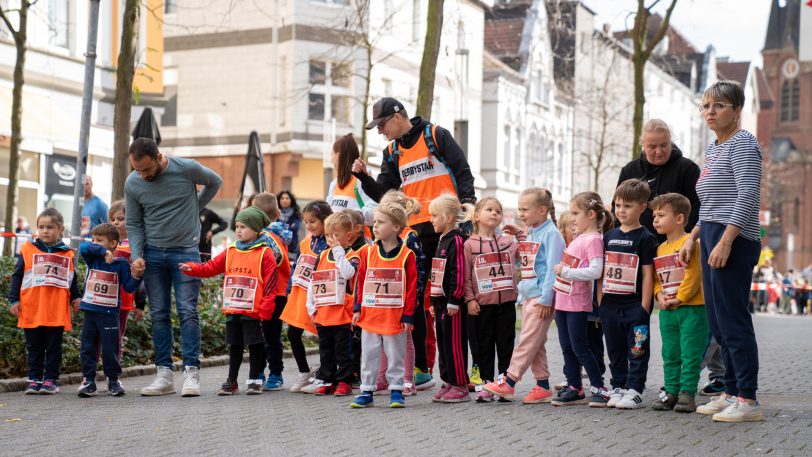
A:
(597, 282)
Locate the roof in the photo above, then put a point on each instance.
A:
(784, 25)
(765, 94)
(737, 71)
(493, 65)
(503, 36)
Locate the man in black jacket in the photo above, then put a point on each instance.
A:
(662, 165)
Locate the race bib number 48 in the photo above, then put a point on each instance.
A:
(304, 270)
(562, 285)
(620, 273)
(436, 277)
(670, 272)
(101, 289)
(239, 292)
(527, 258)
(383, 288)
(51, 270)
(493, 271)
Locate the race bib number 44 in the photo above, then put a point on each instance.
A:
(562, 285)
(493, 272)
(620, 273)
(51, 270)
(328, 290)
(527, 258)
(383, 288)
(670, 272)
(436, 277)
(239, 292)
(304, 270)
(101, 289)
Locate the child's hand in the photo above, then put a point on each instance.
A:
(75, 303)
(673, 303)
(405, 328)
(138, 315)
(332, 240)
(15, 309)
(355, 318)
(557, 269)
(545, 312)
(432, 312)
(473, 308)
(452, 310)
(109, 257)
(511, 230)
(661, 300)
(183, 267)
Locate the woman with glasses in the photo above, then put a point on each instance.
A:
(728, 232)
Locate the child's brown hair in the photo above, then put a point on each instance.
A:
(341, 219)
(267, 202)
(411, 205)
(106, 230)
(678, 203)
(116, 207)
(633, 191)
(54, 214)
(591, 201)
(480, 204)
(396, 213)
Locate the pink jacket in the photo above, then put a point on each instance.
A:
(491, 269)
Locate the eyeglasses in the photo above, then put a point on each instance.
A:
(715, 105)
(382, 124)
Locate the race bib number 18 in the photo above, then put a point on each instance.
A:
(670, 272)
(620, 273)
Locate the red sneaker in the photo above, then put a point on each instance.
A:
(500, 388)
(456, 394)
(443, 390)
(538, 395)
(342, 390)
(325, 390)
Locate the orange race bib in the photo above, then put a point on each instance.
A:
(51, 270)
(239, 292)
(562, 285)
(305, 265)
(101, 289)
(436, 277)
(620, 273)
(493, 271)
(383, 288)
(670, 273)
(328, 288)
(527, 258)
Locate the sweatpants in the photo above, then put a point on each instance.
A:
(496, 332)
(452, 344)
(44, 345)
(685, 335)
(408, 364)
(100, 327)
(297, 348)
(272, 331)
(572, 336)
(713, 359)
(627, 335)
(256, 360)
(727, 293)
(335, 353)
(532, 348)
(395, 348)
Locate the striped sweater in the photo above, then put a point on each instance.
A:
(730, 182)
(451, 248)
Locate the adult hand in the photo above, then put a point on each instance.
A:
(686, 251)
(138, 315)
(473, 308)
(15, 309)
(359, 167)
(719, 255)
(138, 267)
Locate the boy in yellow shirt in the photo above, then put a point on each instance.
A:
(678, 290)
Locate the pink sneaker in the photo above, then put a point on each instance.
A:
(538, 395)
(456, 394)
(500, 388)
(439, 395)
(484, 397)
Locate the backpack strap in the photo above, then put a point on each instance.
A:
(428, 136)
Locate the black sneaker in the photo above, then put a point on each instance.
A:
(570, 397)
(87, 389)
(115, 388)
(254, 388)
(600, 397)
(228, 388)
(713, 388)
(32, 388)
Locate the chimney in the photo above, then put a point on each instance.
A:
(606, 28)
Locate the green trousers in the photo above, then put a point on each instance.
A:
(685, 337)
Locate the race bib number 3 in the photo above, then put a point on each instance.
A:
(304, 270)
(620, 273)
(436, 277)
(327, 290)
(383, 288)
(527, 258)
(562, 285)
(239, 292)
(101, 289)
(670, 273)
(51, 270)
(494, 272)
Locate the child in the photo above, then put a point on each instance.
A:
(539, 252)
(295, 313)
(248, 295)
(384, 304)
(581, 265)
(490, 290)
(135, 302)
(278, 239)
(106, 277)
(412, 241)
(360, 242)
(43, 288)
(330, 304)
(683, 322)
(345, 190)
(625, 295)
(447, 285)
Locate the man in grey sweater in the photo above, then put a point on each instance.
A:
(163, 203)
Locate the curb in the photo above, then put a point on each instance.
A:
(18, 384)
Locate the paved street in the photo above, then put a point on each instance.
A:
(281, 423)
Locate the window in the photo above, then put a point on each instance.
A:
(789, 100)
(318, 72)
(506, 152)
(341, 74)
(170, 6)
(461, 135)
(59, 22)
(315, 107)
(329, 96)
(517, 152)
(340, 109)
(170, 116)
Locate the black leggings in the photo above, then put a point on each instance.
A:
(298, 349)
(428, 241)
(256, 360)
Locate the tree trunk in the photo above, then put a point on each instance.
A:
(365, 104)
(13, 190)
(124, 96)
(639, 103)
(431, 50)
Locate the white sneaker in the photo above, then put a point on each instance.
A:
(614, 396)
(191, 384)
(163, 384)
(631, 400)
(740, 411)
(302, 380)
(315, 384)
(716, 405)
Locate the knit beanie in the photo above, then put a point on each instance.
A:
(253, 218)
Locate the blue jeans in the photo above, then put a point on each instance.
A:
(161, 275)
(572, 336)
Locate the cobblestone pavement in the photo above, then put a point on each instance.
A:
(281, 423)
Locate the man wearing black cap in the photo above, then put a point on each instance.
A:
(423, 161)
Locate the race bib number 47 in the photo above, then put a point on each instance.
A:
(493, 271)
(51, 270)
(383, 288)
(620, 273)
(562, 285)
(670, 272)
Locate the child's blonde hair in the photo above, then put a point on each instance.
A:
(396, 213)
(591, 201)
(411, 205)
(356, 216)
(480, 205)
(450, 206)
(542, 197)
(341, 219)
(267, 202)
(565, 220)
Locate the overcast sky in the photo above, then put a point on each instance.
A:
(736, 28)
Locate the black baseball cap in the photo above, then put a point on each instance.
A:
(382, 109)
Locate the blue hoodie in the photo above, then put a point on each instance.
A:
(93, 254)
(549, 255)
